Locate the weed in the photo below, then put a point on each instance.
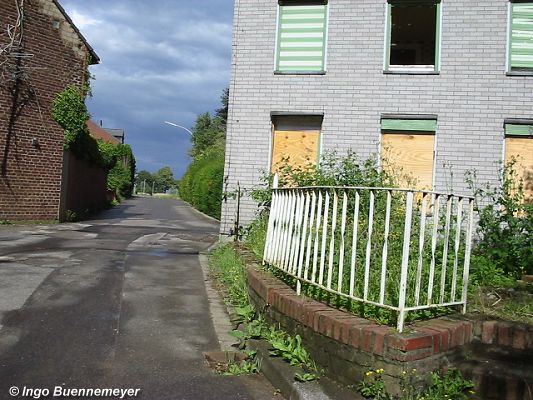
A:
(450, 385)
(505, 228)
(251, 365)
(373, 386)
(228, 268)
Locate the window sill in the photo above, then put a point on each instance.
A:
(299, 73)
(409, 72)
(519, 73)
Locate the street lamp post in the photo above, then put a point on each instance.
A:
(179, 126)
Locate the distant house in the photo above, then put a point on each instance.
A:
(435, 87)
(43, 53)
(98, 132)
(116, 132)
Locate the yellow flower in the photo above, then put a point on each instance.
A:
(379, 371)
(403, 372)
(369, 373)
(471, 392)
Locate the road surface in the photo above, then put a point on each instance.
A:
(118, 302)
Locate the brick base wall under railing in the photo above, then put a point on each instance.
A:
(347, 345)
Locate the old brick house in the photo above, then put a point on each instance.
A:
(445, 85)
(41, 52)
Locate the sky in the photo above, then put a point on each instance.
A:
(162, 60)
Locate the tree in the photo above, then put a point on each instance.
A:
(144, 181)
(222, 112)
(207, 131)
(164, 179)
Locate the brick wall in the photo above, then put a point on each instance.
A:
(495, 354)
(471, 96)
(31, 143)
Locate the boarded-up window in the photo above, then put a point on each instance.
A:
(407, 151)
(301, 42)
(296, 139)
(519, 147)
(521, 37)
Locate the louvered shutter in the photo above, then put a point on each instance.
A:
(301, 38)
(521, 56)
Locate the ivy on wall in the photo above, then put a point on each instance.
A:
(121, 174)
(69, 111)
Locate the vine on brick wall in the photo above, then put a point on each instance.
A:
(69, 111)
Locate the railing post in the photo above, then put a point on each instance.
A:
(267, 253)
(405, 259)
(468, 251)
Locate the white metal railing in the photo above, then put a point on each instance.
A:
(399, 249)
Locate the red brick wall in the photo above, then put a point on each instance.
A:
(30, 174)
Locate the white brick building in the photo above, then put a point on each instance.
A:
(453, 77)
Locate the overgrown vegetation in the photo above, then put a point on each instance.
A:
(70, 111)
(449, 385)
(505, 229)
(349, 171)
(502, 253)
(201, 185)
(229, 269)
(121, 172)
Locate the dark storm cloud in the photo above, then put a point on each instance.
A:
(160, 60)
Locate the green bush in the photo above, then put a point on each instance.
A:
(505, 228)
(345, 171)
(120, 163)
(201, 185)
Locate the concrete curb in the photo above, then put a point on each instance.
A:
(281, 375)
(278, 372)
(217, 308)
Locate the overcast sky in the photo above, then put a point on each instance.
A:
(160, 60)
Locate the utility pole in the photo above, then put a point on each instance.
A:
(144, 186)
(153, 183)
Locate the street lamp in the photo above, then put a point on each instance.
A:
(179, 126)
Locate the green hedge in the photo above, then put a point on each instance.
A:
(201, 185)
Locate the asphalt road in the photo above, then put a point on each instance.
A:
(114, 302)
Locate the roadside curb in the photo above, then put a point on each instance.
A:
(281, 375)
(278, 372)
(199, 212)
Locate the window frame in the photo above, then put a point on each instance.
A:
(526, 71)
(412, 69)
(277, 48)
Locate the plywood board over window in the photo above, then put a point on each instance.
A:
(519, 147)
(296, 139)
(408, 151)
(299, 147)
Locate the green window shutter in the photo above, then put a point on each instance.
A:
(422, 125)
(518, 130)
(301, 38)
(521, 43)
